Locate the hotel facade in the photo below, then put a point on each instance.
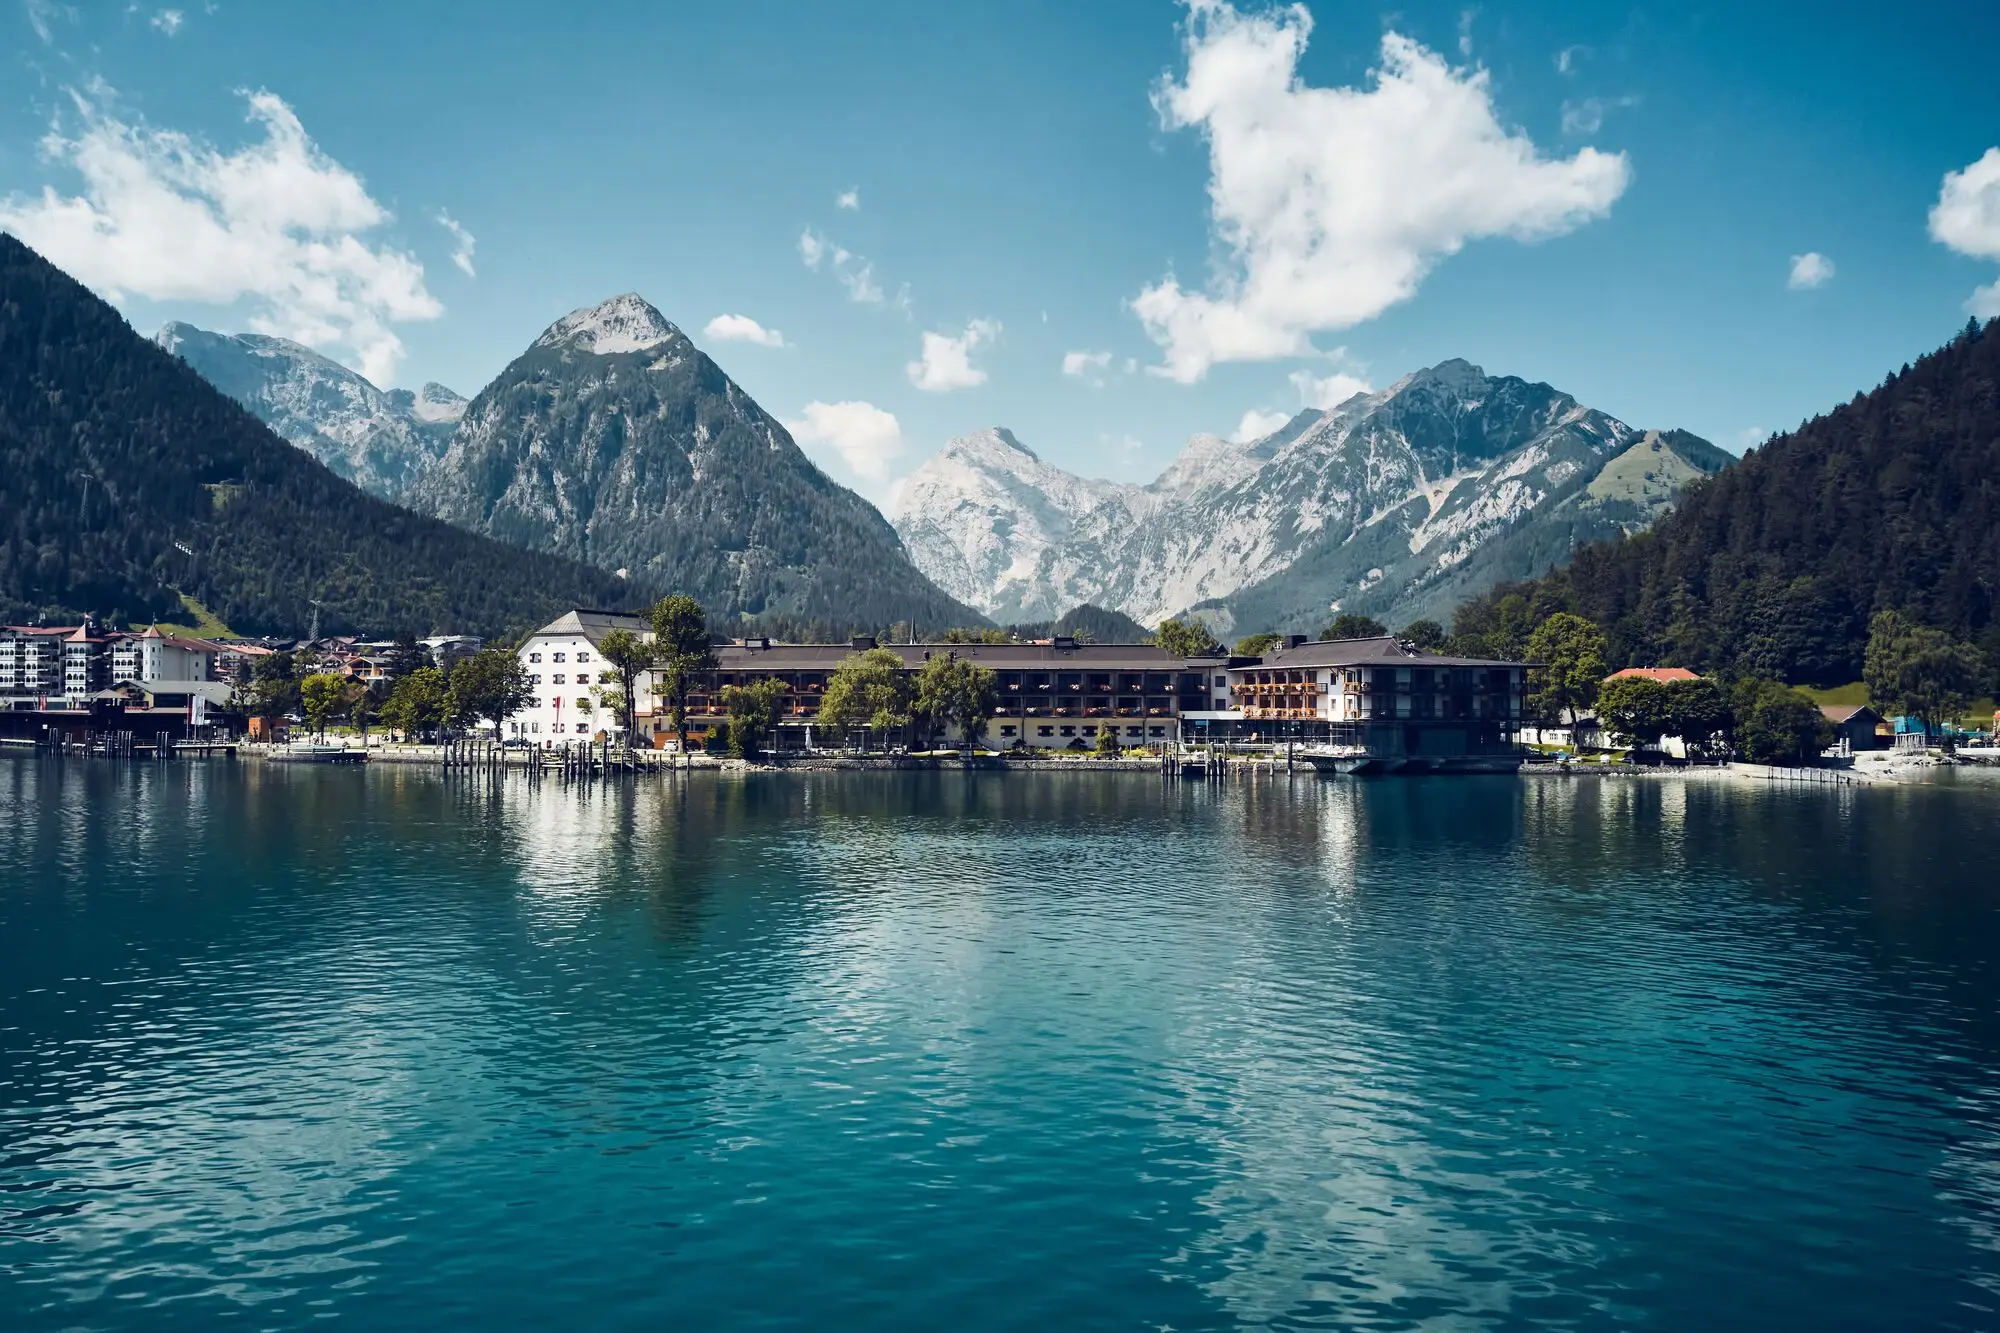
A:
(1062, 694)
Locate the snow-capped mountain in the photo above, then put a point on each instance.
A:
(1387, 503)
(378, 440)
(613, 439)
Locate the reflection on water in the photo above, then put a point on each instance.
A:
(874, 1050)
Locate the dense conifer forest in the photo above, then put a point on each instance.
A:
(127, 480)
(1773, 568)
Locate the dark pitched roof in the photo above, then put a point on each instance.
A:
(994, 656)
(1382, 651)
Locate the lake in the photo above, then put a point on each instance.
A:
(379, 1049)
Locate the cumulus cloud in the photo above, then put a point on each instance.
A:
(946, 362)
(1327, 391)
(277, 224)
(1809, 270)
(1333, 204)
(168, 21)
(1585, 115)
(849, 199)
(856, 274)
(1086, 366)
(867, 439)
(463, 243)
(742, 329)
(1966, 217)
(1256, 424)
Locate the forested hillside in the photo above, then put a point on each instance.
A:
(1773, 567)
(127, 479)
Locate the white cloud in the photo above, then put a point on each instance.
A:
(277, 224)
(1569, 57)
(463, 243)
(1256, 424)
(946, 362)
(1334, 203)
(1465, 18)
(168, 21)
(1750, 437)
(1809, 270)
(849, 199)
(1966, 217)
(1086, 366)
(742, 329)
(1327, 391)
(867, 438)
(1585, 115)
(856, 274)
(43, 13)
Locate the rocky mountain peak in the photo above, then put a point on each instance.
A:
(433, 404)
(625, 323)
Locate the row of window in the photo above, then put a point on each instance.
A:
(536, 657)
(555, 728)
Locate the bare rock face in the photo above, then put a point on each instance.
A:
(380, 441)
(1443, 483)
(615, 440)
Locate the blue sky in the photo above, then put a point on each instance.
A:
(1179, 204)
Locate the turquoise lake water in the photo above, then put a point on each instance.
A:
(290, 1046)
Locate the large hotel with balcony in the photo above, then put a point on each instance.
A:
(1056, 695)
(1379, 696)
(1373, 694)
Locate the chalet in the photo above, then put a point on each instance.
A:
(1856, 727)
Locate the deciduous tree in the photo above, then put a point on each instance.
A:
(1426, 636)
(952, 692)
(1634, 710)
(1187, 638)
(1777, 724)
(753, 714)
(1347, 625)
(869, 690)
(1256, 645)
(1569, 655)
(321, 695)
(417, 703)
(1915, 671)
(629, 657)
(492, 685)
(682, 650)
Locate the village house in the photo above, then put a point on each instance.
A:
(1856, 727)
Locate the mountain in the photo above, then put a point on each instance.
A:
(1774, 567)
(1391, 503)
(130, 481)
(379, 441)
(615, 441)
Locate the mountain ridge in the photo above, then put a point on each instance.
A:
(133, 480)
(1382, 503)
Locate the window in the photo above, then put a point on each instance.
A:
(1088, 731)
(559, 675)
(558, 657)
(535, 727)
(1069, 731)
(1045, 731)
(583, 657)
(1159, 731)
(1135, 731)
(535, 679)
(1006, 731)
(534, 657)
